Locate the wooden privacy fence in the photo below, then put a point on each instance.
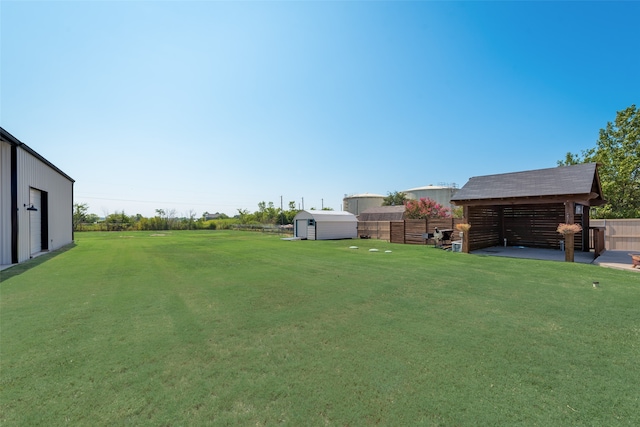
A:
(407, 231)
(620, 234)
(374, 229)
(596, 240)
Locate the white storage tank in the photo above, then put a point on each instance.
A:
(440, 193)
(357, 203)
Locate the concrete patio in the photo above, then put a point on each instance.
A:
(612, 259)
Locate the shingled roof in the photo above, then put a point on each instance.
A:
(578, 182)
(383, 213)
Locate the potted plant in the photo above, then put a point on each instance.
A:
(463, 228)
(568, 230)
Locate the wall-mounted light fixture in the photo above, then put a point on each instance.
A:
(31, 208)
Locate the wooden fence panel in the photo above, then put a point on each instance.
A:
(409, 231)
(620, 234)
(414, 230)
(396, 231)
(536, 225)
(441, 223)
(374, 229)
(596, 240)
(485, 223)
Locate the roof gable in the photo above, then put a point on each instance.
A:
(13, 141)
(576, 180)
(327, 216)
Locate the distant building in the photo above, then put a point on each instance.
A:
(357, 203)
(36, 203)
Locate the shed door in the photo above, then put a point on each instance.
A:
(301, 228)
(35, 221)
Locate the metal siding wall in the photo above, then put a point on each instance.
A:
(35, 229)
(5, 203)
(336, 230)
(33, 173)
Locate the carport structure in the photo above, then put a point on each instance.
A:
(525, 208)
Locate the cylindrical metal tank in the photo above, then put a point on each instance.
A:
(356, 203)
(441, 194)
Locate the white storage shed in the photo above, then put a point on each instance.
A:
(36, 203)
(325, 225)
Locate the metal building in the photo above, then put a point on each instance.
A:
(36, 203)
(325, 225)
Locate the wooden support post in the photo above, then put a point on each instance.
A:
(466, 238)
(585, 229)
(569, 210)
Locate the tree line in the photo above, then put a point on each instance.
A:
(168, 219)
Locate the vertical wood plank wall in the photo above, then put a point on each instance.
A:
(409, 231)
(620, 234)
(521, 225)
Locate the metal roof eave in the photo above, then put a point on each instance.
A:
(12, 140)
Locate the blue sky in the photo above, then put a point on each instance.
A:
(216, 106)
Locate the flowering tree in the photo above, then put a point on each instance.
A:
(425, 208)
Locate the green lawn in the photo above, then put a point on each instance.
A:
(232, 328)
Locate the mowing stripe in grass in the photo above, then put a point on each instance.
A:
(219, 328)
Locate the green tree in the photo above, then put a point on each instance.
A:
(118, 221)
(291, 212)
(91, 218)
(191, 219)
(244, 216)
(79, 214)
(617, 152)
(267, 213)
(397, 198)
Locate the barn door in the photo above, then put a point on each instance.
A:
(35, 221)
(301, 228)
